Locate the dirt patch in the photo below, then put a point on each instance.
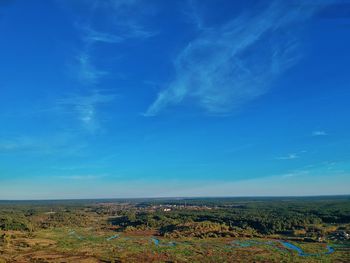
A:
(31, 242)
(41, 256)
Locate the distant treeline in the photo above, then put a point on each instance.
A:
(253, 218)
(203, 217)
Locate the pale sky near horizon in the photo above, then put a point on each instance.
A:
(152, 98)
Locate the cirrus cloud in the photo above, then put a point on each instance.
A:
(226, 66)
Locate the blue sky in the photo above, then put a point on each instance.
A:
(129, 98)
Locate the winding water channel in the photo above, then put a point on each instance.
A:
(250, 243)
(234, 244)
(288, 245)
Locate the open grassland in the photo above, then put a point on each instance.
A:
(90, 245)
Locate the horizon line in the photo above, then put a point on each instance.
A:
(176, 197)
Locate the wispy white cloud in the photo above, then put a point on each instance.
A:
(98, 36)
(88, 74)
(136, 31)
(121, 23)
(85, 108)
(125, 21)
(14, 144)
(330, 168)
(290, 156)
(229, 65)
(296, 173)
(126, 32)
(53, 144)
(193, 15)
(82, 176)
(319, 133)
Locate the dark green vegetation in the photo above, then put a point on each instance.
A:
(192, 230)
